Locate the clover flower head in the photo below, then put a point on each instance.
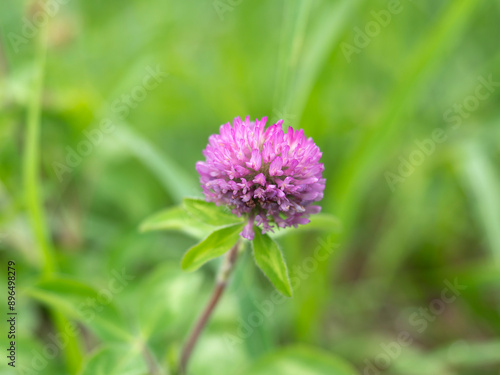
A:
(270, 176)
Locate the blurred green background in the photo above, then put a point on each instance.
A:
(106, 107)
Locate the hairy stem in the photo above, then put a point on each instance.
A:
(220, 286)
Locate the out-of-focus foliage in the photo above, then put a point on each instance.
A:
(402, 98)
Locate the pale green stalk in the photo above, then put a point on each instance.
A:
(32, 194)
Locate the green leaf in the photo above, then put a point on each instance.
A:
(209, 213)
(177, 219)
(116, 360)
(80, 301)
(216, 244)
(301, 360)
(269, 258)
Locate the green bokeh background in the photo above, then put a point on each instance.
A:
(410, 221)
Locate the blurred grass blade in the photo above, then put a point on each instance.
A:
(294, 22)
(324, 38)
(483, 186)
(31, 167)
(175, 181)
(33, 199)
(216, 244)
(300, 360)
(369, 152)
(270, 260)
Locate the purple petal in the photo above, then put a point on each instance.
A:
(247, 231)
(260, 179)
(275, 167)
(255, 161)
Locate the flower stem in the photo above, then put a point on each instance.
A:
(220, 286)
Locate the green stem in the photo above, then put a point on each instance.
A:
(32, 194)
(32, 159)
(220, 286)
